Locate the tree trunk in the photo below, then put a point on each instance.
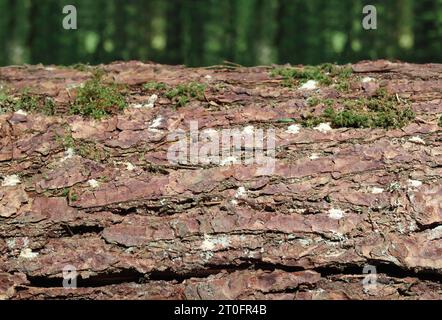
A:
(102, 197)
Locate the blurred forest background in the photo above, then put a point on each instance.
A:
(207, 32)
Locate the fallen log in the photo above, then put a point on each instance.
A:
(90, 198)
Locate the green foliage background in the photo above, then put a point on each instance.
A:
(207, 32)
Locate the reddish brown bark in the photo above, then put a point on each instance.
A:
(154, 230)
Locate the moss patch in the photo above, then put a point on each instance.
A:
(67, 193)
(380, 111)
(27, 102)
(84, 67)
(67, 141)
(86, 149)
(92, 151)
(440, 121)
(153, 85)
(325, 74)
(3, 95)
(97, 99)
(181, 94)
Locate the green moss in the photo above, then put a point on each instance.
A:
(88, 150)
(293, 76)
(65, 192)
(3, 94)
(346, 118)
(153, 85)
(27, 102)
(440, 121)
(394, 186)
(310, 121)
(97, 99)
(73, 197)
(4, 100)
(67, 141)
(325, 74)
(183, 93)
(91, 151)
(81, 67)
(314, 101)
(49, 107)
(69, 194)
(380, 111)
(343, 79)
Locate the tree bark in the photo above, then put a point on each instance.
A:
(136, 226)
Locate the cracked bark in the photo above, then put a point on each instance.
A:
(154, 230)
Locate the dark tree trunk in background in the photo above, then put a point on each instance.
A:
(141, 29)
(33, 31)
(45, 29)
(427, 30)
(100, 24)
(194, 31)
(231, 31)
(174, 32)
(121, 36)
(255, 33)
(10, 19)
(293, 31)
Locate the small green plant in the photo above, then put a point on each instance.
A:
(65, 192)
(73, 197)
(97, 100)
(182, 93)
(69, 194)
